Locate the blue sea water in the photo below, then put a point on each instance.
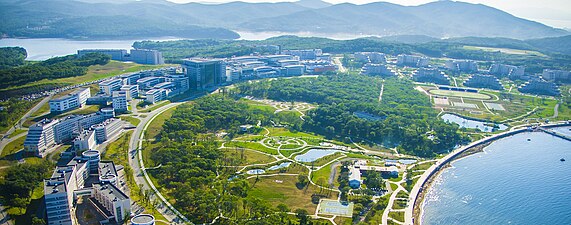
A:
(514, 181)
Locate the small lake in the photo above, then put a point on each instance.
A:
(256, 171)
(281, 165)
(468, 123)
(314, 154)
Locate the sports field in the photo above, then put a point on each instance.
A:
(460, 94)
(505, 50)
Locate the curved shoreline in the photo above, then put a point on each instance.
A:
(413, 213)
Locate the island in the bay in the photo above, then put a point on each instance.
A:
(286, 130)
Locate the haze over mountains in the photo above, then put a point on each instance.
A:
(152, 18)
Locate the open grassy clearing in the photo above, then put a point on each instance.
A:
(510, 51)
(152, 107)
(131, 120)
(460, 94)
(321, 176)
(156, 126)
(251, 145)
(282, 189)
(397, 215)
(13, 146)
(96, 72)
(247, 157)
(16, 132)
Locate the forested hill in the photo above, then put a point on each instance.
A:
(159, 18)
(349, 107)
(57, 67)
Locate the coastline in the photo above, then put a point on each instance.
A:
(413, 215)
(418, 208)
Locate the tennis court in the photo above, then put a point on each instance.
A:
(334, 207)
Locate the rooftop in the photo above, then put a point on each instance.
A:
(110, 191)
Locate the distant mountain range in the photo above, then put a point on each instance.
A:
(98, 19)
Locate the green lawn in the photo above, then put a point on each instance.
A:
(510, 51)
(397, 216)
(321, 176)
(251, 145)
(16, 132)
(156, 126)
(394, 186)
(248, 157)
(13, 146)
(271, 190)
(153, 106)
(117, 151)
(42, 110)
(131, 120)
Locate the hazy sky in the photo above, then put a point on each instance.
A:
(556, 13)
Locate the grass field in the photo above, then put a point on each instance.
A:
(157, 124)
(285, 192)
(16, 132)
(397, 216)
(505, 50)
(251, 145)
(321, 176)
(249, 157)
(13, 146)
(117, 150)
(131, 120)
(460, 94)
(96, 72)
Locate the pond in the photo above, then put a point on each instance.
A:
(282, 165)
(256, 171)
(468, 123)
(315, 154)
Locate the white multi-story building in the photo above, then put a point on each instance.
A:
(155, 95)
(467, 66)
(412, 60)
(507, 70)
(431, 75)
(146, 56)
(109, 86)
(130, 78)
(148, 82)
(67, 128)
(179, 80)
(116, 54)
(85, 140)
(304, 54)
(370, 57)
(120, 102)
(68, 182)
(74, 100)
(58, 192)
(40, 138)
(556, 75)
(132, 91)
(107, 129)
(377, 69)
(113, 200)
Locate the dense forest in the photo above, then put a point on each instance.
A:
(57, 67)
(18, 184)
(191, 166)
(349, 107)
(11, 110)
(12, 56)
(176, 50)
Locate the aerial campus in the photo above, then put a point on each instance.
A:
(271, 150)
